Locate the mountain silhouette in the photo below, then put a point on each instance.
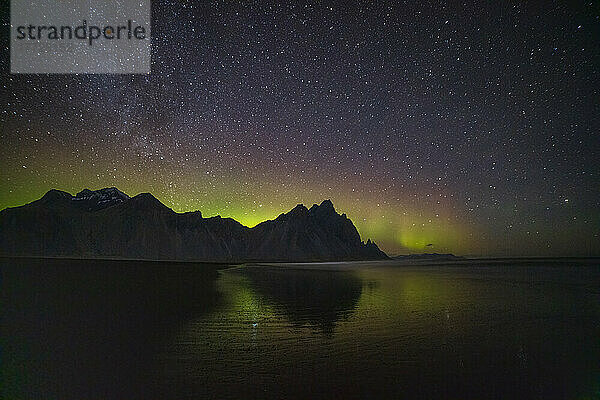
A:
(109, 223)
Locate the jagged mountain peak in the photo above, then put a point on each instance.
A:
(104, 193)
(327, 205)
(60, 224)
(53, 194)
(319, 211)
(147, 201)
(94, 200)
(299, 209)
(324, 209)
(54, 198)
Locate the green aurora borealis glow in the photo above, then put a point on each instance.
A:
(433, 128)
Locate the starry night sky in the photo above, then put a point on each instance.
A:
(467, 128)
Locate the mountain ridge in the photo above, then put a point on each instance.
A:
(109, 223)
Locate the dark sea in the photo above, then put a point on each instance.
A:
(479, 329)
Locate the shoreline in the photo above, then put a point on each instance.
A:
(328, 265)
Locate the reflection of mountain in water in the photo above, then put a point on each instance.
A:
(308, 297)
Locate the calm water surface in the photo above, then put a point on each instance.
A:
(126, 330)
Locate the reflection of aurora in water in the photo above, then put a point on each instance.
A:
(399, 332)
